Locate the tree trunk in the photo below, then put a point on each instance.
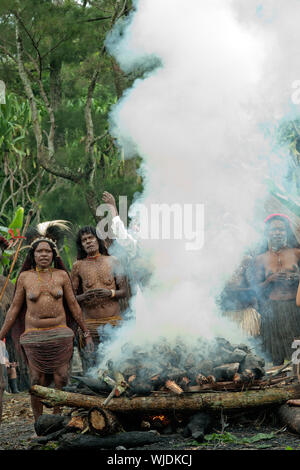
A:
(164, 403)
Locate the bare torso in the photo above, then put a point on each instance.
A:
(285, 261)
(97, 274)
(44, 298)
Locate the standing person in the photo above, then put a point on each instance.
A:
(42, 311)
(239, 299)
(98, 287)
(277, 279)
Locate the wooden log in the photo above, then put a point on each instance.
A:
(103, 422)
(290, 416)
(163, 403)
(126, 439)
(173, 387)
(78, 422)
(293, 402)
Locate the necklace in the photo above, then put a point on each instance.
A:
(277, 254)
(91, 258)
(45, 285)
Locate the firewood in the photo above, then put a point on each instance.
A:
(103, 422)
(126, 439)
(293, 402)
(163, 403)
(184, 383)
(201, 379)
(290, 416)
(78, 422)
(211, 379)
(237, 378)
(173, 387)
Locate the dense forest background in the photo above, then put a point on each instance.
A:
(56, 153)
(57, 156)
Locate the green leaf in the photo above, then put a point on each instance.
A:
(18, 219)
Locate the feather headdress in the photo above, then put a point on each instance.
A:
(51, 231)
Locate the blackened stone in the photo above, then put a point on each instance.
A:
(226, 371)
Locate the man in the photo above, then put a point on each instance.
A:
(277, 273)
(98, 287)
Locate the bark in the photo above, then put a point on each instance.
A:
(290, 416)
(103, 422)
(164, 403)
(126, 439)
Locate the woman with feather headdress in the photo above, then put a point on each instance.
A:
(43, 309)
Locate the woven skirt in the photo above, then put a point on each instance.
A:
(280, 326)
(48, 349)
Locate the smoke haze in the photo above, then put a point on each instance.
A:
(223, 77)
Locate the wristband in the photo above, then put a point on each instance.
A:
(86, 334)
(113, 293)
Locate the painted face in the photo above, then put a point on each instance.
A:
(90, 244)
(43, 255)
(277, 234)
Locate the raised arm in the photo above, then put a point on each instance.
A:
(15, 307)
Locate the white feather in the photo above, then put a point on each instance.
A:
(62, 224)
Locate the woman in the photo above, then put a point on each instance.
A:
(41, 305)
(277, 279)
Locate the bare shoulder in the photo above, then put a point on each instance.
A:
(76, 266)
(24, 276)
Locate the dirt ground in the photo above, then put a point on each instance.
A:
(17, 430)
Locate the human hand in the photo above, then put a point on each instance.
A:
(98, 293)
(110, 200)
(278, 277)
(293, 276)
(89, 344)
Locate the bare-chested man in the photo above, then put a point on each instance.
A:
(277, 280)
(98, 288)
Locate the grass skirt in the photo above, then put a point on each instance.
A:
(280, 326)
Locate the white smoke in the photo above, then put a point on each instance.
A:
(197, 122)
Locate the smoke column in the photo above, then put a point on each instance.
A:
(198, 122)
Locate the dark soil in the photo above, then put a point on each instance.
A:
(259, 432)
